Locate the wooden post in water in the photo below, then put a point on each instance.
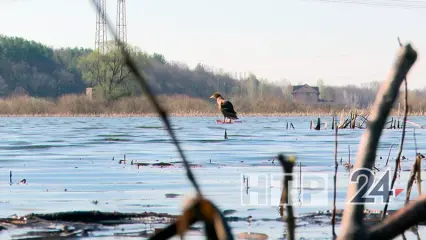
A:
(318, 127)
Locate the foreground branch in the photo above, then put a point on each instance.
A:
(401, 146)
(132, 66)
(401, 220)
(352, 222)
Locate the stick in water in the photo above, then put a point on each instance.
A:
(336, 164)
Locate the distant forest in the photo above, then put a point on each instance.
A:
(33, 69)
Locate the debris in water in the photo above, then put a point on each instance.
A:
(162, 164)
(173, 195)
(123, 160)
(229, 212)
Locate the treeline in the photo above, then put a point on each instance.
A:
(31, 68)
(28, 67)
(36, 70)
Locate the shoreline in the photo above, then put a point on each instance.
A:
(185, 114)
(175, 105)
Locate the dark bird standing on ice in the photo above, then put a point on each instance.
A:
(225, 107)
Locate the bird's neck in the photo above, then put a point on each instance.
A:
(220, 100)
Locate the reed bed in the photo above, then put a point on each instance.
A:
(176, 105)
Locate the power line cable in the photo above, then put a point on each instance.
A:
(407, 4)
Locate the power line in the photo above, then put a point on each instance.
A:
(11, 1)
(406, 4)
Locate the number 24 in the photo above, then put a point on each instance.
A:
(368, 188)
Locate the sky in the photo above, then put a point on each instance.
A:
(297, 40)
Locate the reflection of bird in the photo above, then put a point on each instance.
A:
(225, 107)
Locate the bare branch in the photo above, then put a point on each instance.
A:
(401, 220)
(390, 149)
(415, 140)
(414, 172)
(336, 164)
(353, 214)
(147, 89)
(398, 157)
(349, 154)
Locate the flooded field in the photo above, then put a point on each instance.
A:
(73, 164)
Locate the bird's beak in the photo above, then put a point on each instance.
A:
(211, 96)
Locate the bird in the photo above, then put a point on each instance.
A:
(225, 107)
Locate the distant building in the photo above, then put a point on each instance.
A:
(89, 92)
(306, 94)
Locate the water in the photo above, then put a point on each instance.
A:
(68, 164)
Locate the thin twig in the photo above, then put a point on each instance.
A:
(415, 141)
(300, 182)
(398, 157)
(336, 164)
(419, 162)
(349, 154)
(390, 149)
(401, 145)
(353, 214)
(147, 89)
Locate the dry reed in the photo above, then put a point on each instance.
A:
(176, 105)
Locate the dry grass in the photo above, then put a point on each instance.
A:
(177, 105)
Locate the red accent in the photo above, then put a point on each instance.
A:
(398, 191)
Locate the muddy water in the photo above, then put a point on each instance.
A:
(68, 164)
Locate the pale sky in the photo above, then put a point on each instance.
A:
(299, 40)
